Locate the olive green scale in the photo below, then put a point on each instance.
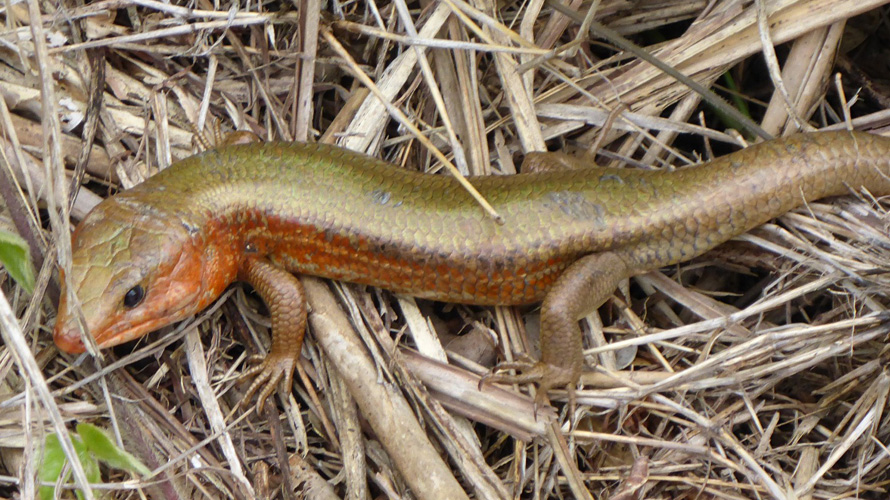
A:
(326, 211)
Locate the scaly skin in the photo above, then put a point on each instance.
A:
(253, 211)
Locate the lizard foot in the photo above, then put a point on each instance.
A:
(268, 372)
(545, 375)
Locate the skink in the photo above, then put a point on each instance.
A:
(166, 249)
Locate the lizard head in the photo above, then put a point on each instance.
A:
(134, 269)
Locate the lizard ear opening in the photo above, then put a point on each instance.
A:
(134, 297)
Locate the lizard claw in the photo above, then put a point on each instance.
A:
(266, 375)
(545, 375)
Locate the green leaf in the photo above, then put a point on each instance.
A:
(104, 448)
(91, 444)
(51, 465)
(16, 258)
(54, 461)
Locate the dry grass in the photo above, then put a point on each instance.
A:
(755, 371)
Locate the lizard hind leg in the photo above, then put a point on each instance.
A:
(581, 289)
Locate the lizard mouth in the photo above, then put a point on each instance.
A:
(69, 339)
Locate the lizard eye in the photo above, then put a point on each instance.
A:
(134, 296)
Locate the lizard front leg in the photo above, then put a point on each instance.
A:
(284, 296)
